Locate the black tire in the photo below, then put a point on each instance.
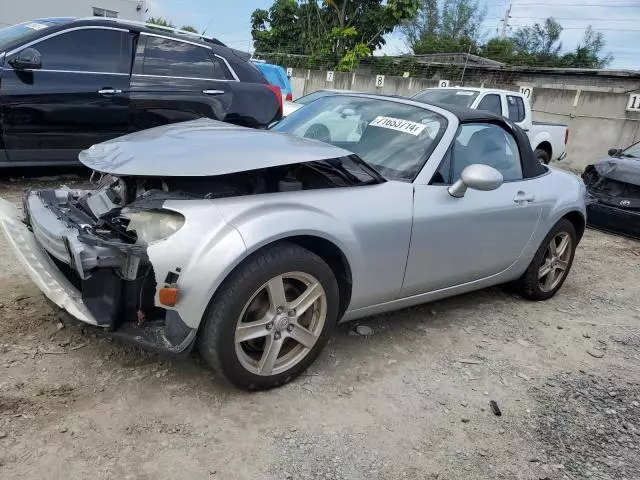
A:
(216, 339)
(528, 286)
(542, 155)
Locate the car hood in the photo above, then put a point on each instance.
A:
(202, 147)
(621, 169)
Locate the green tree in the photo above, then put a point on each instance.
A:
(539, 45)
(333, 31)
(189, 28)
(502, 50)
(160, 21)
(445, 26)
(278, 28)
(588, 53)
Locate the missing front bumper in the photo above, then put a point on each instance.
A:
(112, 298)
(39, 266)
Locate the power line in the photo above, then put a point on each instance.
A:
(581, 5)
(578, 19)
(584, 28)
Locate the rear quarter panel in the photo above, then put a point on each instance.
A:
(559, 193)
(253, 105)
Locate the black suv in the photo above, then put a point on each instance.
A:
(66, 84)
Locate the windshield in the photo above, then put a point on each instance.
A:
(632, 151)
(394, 138)
(313, 96)
(15, 33)
(455, 97)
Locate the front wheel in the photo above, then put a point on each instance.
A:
(551, 264)
(271, 318)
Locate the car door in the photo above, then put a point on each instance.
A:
(77, 98)
(178, 80)
(459, 240)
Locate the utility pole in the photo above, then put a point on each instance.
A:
(505, 23)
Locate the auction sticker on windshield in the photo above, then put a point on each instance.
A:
(398, 124)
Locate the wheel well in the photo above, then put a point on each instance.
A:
(578, 222)
(336, 260)
(546, 146)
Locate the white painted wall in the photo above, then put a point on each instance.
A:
(16, 11)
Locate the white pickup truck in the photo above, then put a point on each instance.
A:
(548, 140)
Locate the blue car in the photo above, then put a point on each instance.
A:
(276, 75)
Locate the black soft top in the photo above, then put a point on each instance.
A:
(531, 166)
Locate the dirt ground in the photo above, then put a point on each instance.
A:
(409, 402)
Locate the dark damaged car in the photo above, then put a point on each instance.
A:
(253, 244)
(613, 187)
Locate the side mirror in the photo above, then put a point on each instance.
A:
(27, 59)
(614, 152)
(478, 177)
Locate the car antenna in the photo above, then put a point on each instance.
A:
(207, 27)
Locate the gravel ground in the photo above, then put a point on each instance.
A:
(409, 401)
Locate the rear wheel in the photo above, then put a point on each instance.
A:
(271, 318)
(551, 264)
(542, 156)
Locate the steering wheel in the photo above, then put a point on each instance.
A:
(317, 131)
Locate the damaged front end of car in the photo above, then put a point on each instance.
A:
(142, 253)
(99, 240)
(613, 189)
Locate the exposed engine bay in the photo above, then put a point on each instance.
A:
(99, 238)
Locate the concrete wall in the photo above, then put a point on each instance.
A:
(16, 11)
(593, 106)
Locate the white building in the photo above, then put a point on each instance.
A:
(16, 11)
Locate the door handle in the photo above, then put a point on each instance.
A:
(213, 92)
(522, 197)
(109, 91)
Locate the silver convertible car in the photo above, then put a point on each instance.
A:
(252, 245)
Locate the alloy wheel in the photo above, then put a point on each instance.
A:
(555, 262)
(281, 323)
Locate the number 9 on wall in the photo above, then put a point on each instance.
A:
(443, 83)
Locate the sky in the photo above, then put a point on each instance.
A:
(618, 20)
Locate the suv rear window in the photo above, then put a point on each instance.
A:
(172, 58)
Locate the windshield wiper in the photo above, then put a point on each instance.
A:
(627, 155)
